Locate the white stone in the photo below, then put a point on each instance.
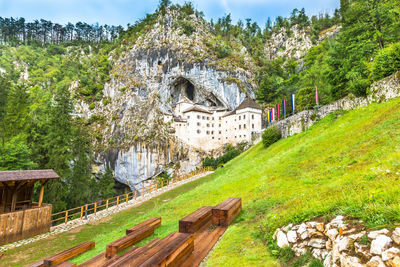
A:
(394, 263)
(317, 243)
(396, 236)
(332, 234)
(349, 261)
(299, 250)
(390, 253)
(328, 260)
(380, 244)
(304, 235)
(292, 236)
(316, 253)
(282, 240)
(342, 243)
(275, 233)
(376, 261)
(374, 234)
(302, 228)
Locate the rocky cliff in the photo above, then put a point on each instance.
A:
(177, 56)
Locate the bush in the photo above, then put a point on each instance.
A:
(386, 62)
(92, 106)
(270, 136)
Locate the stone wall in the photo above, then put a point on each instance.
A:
(342, 242)
(380, 91)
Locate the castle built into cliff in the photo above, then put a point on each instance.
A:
(210, 127)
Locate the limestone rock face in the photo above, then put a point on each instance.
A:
(281, 240)
(156, 71)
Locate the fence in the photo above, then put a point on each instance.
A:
(87, 209)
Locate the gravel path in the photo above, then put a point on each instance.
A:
(101, 214)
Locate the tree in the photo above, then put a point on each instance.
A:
(106, 184)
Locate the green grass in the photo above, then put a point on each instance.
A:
(345, 164)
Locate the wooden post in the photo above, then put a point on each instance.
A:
(149, 188)
(66, 216)
(142, 191)
(162, 183)
(95, 207)
(135, 194)
(4, 200)
(41, 193)
(117, 200)
(126, 198)
(107, 204)
(82, 212)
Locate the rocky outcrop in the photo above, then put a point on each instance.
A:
(385, 89)
(292, 43)
(162, 66)
(341, 242)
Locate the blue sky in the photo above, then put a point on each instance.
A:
(122, 12)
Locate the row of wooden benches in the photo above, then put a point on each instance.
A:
(172, 250)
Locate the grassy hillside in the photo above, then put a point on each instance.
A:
(347, 163)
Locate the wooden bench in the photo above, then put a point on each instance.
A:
(96, 261)
(135, 251)
(170, 251)
(194, 221)
(124, 242)
(153, 223)
(226, 211)
(68, 254)
(37, 264)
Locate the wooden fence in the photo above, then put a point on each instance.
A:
(83, 211)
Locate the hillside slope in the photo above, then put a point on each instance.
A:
(347, 163)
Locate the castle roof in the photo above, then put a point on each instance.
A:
(198, 109)
(248, 103)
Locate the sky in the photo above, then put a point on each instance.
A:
(122, 12)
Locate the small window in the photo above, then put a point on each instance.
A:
(219, 125)
(235, 136)
(219, 132)
(212, 125)
(198, 116)
(239, 117)
(244, 126)
(208, 132)
(203, 117)
(252, 116)
(219, 138)
(220, 118)
(208, 125)
(212, 132)
(198, 124)
(213, 137)
(198, 131)
(244, 117)
(244, 135)
(240, 136)
(252, 126)
(240, 126)
(188, 117)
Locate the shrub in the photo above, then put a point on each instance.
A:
(92, 106)
(223, 50)
(386, 62)
(270, 136)
(187, 28)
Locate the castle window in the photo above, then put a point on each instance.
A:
(208, 132)
(208, 118)
(208, 125)
(213, 137)
(244, 126)
(244, 117)
(198, 131)
(203, 117)
(212, 132)
(244, 135)
(239, 117)
(212, 125)
(240, 136)
(219, 138)
(219, 125)
(220, 132)
(198, 116)
(252, 126)
(188, 117)
(240, 126)
(198, 124)
(252, 116)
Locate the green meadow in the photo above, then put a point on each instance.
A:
(347, 163)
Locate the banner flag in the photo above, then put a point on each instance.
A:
(272, 114)
(268, 116)
(292, 100)
(316, 96)
(284, 107)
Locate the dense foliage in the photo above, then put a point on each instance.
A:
(270, 136)
(229, 153)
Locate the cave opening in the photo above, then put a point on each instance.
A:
(184, 88)
(189, 90)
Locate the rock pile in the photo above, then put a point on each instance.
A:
(342, 242)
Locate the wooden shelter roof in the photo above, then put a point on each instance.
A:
(8, 176)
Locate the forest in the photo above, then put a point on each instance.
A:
(39, 130)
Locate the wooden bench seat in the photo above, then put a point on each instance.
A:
(96, 261)
(37, 264)
(194, 221)
(124, 242)
(153, 223)
(170, 251)
(68, 254)
(225, 212)
(135, 251)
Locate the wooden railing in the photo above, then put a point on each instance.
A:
(83, 211)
